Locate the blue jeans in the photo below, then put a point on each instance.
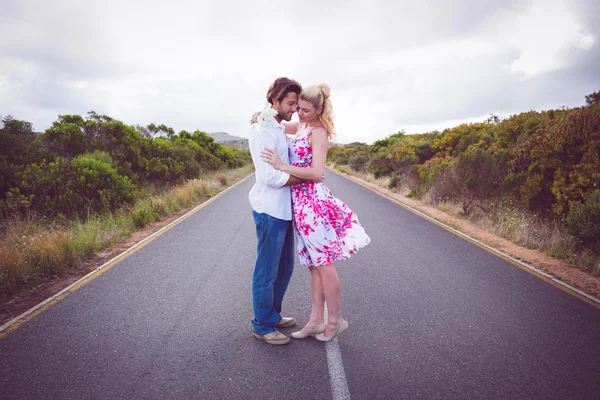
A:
(272, 271)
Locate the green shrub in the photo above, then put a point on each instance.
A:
(381, 164)
(96, 185)
(583, 220)
(424, 151)
(145, 214)
(102, 156)
(340, 158)
(358, 161)
(394, 180)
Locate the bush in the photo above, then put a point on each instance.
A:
(340, 158)
(557, 163)
(359, 161)
(394, 181)
(471, 180)
(96, 185)
(381, 164)
(424, 151)
(405, 178)
(350, 152)
(431, 169)
(74, 187)
(383, 143)
(583, 220)
(145, 214)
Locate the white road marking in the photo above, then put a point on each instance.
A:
(337, 376)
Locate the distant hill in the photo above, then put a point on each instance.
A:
(230, 140)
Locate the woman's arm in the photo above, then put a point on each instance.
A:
(290, 127)
(319, 144)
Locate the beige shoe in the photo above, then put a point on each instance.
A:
(299, 335)
(273, 337)
(342, 326)
(286, 322)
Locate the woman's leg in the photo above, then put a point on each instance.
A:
(331, 290)
(317, 315)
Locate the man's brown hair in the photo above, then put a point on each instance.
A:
(281, 87)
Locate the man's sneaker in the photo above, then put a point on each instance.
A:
(273, 337)
(286, 322)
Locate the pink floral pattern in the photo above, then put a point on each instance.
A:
(326, 229)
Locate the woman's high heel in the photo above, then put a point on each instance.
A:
(342, 326)
(316, 330)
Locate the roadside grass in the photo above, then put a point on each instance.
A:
(33, 250)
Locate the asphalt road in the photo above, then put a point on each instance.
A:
(431, 317)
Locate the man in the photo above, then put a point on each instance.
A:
(271, 203)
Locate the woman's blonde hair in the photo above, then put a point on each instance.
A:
(318, 96)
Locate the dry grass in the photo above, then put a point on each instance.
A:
(447, 207)
(369, 177)
(521, 227)
(183, 196)
(344, 169)
(32, 250)
(527, 229)
(366, 176)
(221, 177)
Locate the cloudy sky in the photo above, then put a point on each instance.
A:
(392, 65)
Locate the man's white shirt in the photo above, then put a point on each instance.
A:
(269, 195)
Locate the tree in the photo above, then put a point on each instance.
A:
(162, 128)
(471, 180)
(583, 220)
(381, 143)
(593, 98)
(494, 119)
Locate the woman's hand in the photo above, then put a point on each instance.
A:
(255, 117)
(270, 156)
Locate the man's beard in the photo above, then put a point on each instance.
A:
(286, 117)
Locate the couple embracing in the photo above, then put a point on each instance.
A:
(289, 199)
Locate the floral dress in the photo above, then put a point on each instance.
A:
(326, 229)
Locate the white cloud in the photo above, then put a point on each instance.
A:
(542, 35)
(207, 65)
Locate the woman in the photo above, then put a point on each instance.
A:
(326, 229)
